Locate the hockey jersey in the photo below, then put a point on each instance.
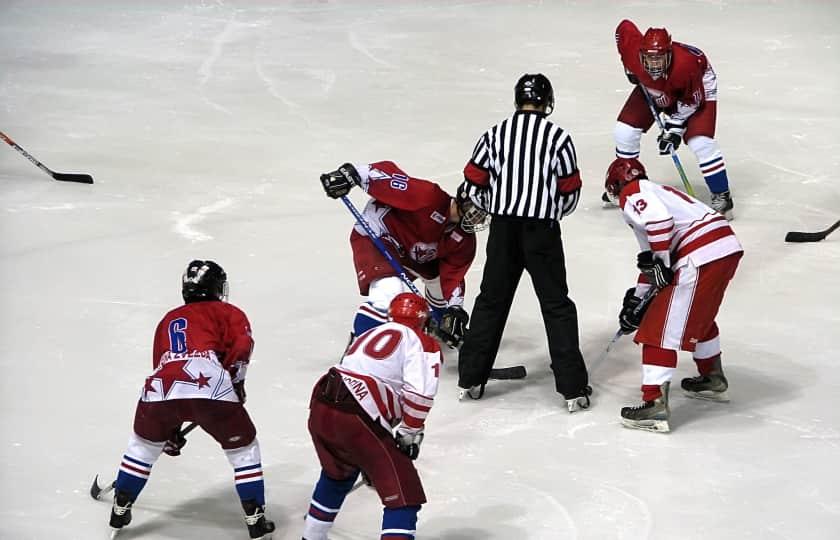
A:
(412, 216)
(689, 82)
(393, 373)
(674, 226)
(200, 350)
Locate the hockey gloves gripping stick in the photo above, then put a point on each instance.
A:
(338, 183)
(794, 236)
(61, 177)
(409, 444)
(655, 269)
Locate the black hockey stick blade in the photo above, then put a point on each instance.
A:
(795, 236)
(96, 491)
(508, 373)
(71, 177)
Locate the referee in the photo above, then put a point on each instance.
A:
(525, 169)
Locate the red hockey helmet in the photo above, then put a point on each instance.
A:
(409, 309)
(655, 52)
(621, 172)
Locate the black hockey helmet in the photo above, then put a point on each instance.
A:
(534, 88)
(204, 280)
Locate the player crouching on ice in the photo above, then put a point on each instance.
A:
(386, 381)
(424, 228)
(689, 254)
(201, 353)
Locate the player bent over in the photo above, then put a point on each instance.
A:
(430, 233)
(201, 354)
(682, 83)
(386, 381)
(689, 254)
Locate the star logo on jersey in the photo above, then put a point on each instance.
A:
(148, 387)
(202, 380)
(171, 373)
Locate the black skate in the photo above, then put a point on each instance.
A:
(607, 201)
(650, 415)
(120, 512)
(580, 401)
(722, 204)
(258, 526)
(712, 387)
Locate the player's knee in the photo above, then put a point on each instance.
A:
(627, 140)
(704, 148)
(144, 450)
(244, 456)
(383, 290)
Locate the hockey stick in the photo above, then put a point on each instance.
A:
(507, 373)
(646, 299)
(794, 236)
(61, 177)
(96, 491)
(674, 156)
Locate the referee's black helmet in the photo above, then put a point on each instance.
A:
(534, 88)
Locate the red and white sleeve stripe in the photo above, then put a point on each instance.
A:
(659, 234)
(415, 409)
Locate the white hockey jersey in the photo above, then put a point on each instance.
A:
(676, 227)
(393, 374)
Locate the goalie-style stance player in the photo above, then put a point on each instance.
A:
(428, 231)
(682, 83)
(386, 381)
(201, 353)
(689, 253)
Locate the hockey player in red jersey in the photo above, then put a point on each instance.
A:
(689, 253)
(428, 231)
(682, 84)
(367, 415)
(201, 353)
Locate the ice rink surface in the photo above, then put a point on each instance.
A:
(206, 125)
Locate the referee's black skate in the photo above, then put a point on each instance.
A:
(579, 401)
(650, 415)
(258, 526)
(120, 512)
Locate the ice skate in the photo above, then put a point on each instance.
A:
(120, 512)
(258, 526)
(473, 392)
(580, 402)
(722, 204)
(711, 387)
(650, 415)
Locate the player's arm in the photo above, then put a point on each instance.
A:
(239, 344)
(421, 374)
(160, 345)
(627, 39)
(388, 184)
(654, 228)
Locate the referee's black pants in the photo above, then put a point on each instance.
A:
(515, 244)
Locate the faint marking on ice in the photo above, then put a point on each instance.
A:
(571, 432)
(120, 302)
(356, 44)
(63, 206)
(184, 223)
(65, 514)
(643, 506)
(206, 68)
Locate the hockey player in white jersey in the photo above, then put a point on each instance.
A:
(689, 253)
(367, 415)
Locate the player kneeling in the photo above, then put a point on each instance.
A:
(689, 254)
(367, 416)
(201, 353)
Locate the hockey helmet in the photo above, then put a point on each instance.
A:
(655, 52)
(204, 280)
(534, 89)
(409, 309)
(621, 172)
(474, 217)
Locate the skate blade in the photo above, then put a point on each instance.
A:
(708, 395)
(657, 426)
(573, 405)
(114, 533)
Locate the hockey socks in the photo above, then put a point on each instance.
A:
(658, 367)
(399, 523)
(136, 465)
(247, 472)
(326, 503)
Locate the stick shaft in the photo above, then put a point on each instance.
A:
(674, 157)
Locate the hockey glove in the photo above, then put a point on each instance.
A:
(670, 138)
(655, 270)
(338, 183)
(239, 388)
(630, 77)
(176, 441)
(409, 443)
(453, 326)
(631, 312)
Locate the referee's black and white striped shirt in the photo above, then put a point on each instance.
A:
(525, 166)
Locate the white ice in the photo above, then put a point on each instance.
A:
(206, 125)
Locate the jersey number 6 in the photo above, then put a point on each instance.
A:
(178, 335)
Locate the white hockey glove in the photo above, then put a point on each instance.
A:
(409, 443)
(671, 137)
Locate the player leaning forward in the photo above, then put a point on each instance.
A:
(689, 253)
(386, 381)
(201, 352)
(430, 233)
(682, 83)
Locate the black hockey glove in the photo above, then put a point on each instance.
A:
(175, 443)
(631, 315)
(239, 388)
(409, 444)
(670, 138)
(656, 271)
(630, 77)
(339, 182)
(453, 326)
